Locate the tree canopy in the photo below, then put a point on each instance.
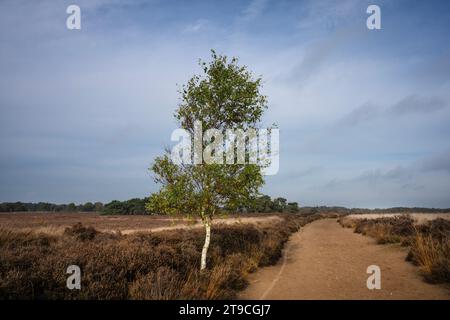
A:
(225, 96)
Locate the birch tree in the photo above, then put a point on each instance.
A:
(225, 96)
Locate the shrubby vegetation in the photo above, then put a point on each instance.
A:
(429, 243)
(344, 211)
(161, 265)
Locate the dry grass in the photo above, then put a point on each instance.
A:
(56, 223)
(419, 218)
(161, 265)
(429, 241)
(432, 256)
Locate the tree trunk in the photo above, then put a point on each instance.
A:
(207, 223)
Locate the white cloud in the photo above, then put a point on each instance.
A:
(197, 26)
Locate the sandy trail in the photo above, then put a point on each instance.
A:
(326, 261)
(198, 224)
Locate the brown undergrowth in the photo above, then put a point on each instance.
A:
(162, 265)
(429, 243)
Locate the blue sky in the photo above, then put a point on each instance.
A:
(363, 114)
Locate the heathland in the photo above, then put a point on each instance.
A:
(267, 255)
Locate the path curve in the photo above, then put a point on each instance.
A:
(326, 261)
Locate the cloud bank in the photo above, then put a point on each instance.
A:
(363, 114)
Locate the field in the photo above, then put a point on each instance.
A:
(56, 223)
(122, 258)
(257, 256)
(419, 218)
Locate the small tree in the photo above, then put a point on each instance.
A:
(279, 204)
(88, 206)
(226, 96)
(71, 207)
(98, 206)
(293, 207)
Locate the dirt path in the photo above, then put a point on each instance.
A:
(220, 221)
(326, 261)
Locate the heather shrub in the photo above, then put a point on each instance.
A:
(161, 265)
(429, 243)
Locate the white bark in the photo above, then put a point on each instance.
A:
(207, 223)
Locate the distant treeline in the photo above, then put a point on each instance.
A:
(50, 207)
(137, 206)
(132, 206)
(343, 210)
(263, 204)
